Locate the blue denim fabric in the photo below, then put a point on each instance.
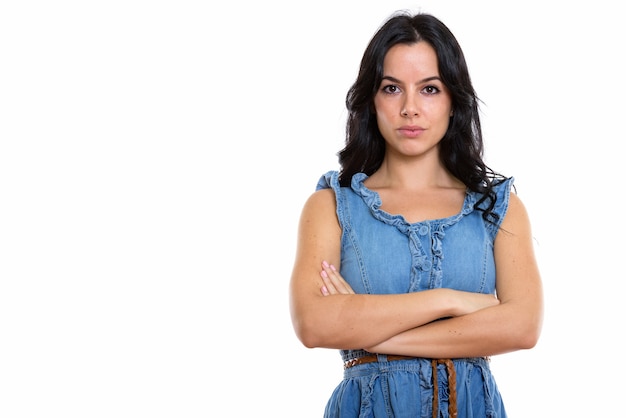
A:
(403, 389)
(383, 254)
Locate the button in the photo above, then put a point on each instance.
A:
(423, 230)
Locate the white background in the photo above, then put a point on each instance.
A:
(154, 158)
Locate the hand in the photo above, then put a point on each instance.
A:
(469, 302)
(334, 284)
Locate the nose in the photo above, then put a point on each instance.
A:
(410, 107)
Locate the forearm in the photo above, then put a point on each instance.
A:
(357, 321)
(490, 331)
(343, 319)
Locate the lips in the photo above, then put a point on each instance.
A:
(411, 131)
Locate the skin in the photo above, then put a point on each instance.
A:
(413, 109)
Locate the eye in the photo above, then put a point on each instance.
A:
(390, 89)
(431, 89)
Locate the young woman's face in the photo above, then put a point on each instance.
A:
(413, 107)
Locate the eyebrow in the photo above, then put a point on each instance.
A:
(425, 80)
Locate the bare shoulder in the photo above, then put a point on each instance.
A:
(321, 202)
(319, 215)
(516, 220)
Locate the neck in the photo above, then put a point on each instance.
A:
(413, 174)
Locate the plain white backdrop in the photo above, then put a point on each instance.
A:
(154, 158)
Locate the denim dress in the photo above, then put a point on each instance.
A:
(384, 254)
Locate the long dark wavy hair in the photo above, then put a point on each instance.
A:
(461, 148)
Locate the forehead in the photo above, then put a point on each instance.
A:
(418, 58)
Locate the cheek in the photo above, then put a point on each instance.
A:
(440, 114)
(382, 112)
(383, 121)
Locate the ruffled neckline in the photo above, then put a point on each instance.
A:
(373, 201)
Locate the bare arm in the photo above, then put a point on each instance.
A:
(348, 320)
(512, 325)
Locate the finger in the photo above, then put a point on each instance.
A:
(341, 284)
(338, 282)
(328, 287)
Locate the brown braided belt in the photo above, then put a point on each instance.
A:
(452, 409)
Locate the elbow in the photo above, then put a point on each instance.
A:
(522, 327)
(307, 341)
(528, 336)
(529, 340)
(307, 332)
(315, 332)
(307, 337)
(533, 330)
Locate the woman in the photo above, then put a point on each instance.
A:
(415, 260)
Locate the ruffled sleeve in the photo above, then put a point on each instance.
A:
(328, 180)
(503, 192)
